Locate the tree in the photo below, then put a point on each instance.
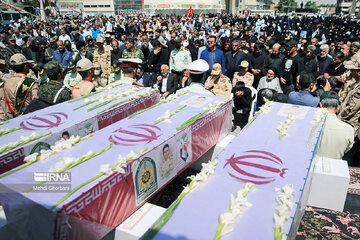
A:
(287, 5)
(312, 6)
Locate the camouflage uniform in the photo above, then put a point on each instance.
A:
(116, 75)
(102, 64)
(248, 79)
(219, 86)
(136, 53)
(91, 48)
(350, 107)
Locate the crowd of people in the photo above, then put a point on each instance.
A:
(309, 61)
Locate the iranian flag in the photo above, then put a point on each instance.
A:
(201, 15)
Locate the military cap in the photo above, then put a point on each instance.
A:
(130, 62)
(177, 39)
(197, 67)
(100, 39)
(244, 64)
(67, 43)
(84, 65)
(107, 35)
(329, 94)
(18, 59)
(352, 64)
(52, 67)
(216, 70)
(72, 64)
(88, 37)
(53, 39)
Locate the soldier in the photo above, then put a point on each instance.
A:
(53, 91)
(19, 90)
(49, 51)
(12, 48)
(218, 83)
(72, 77)
(108, 41)
(90, 44)
(67, 45)
(350, 106)
(179, 57)
(243, 75)
(129, 66)
(102, 59)
(131, 51)
(116, 75)
(86, 86)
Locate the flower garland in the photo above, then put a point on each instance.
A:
(209, 109)
(97, 91)
(207, 170)
(4, 122)
(168, 114)
(318, 117)
(284, 126)
(170, 98)
(23, 140)
(108, 99)
(237, 206)
(283, 210)
(44, 154)
(141, 94)
(105, 169)
(263, 109)
(70, 162)
(6, 130)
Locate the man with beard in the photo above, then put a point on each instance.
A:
(108, 42)
(324, 60)
(61, 55)
(234, 58)
(170, 43)
(49, 51)
(256, 61)
(115, 53)
(179, 57)
(309, 63)
(212, 54)
(159, 56)
(83, 53)
(273, 61)
(289, 67)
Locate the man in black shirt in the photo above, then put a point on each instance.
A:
(159, 56)
(234, 58)
(289, 67)
(242, 104)
(256, 61)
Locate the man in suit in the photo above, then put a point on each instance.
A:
(167, 82)
(83, 53)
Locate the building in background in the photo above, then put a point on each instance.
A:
(86, 7)
(344, 6)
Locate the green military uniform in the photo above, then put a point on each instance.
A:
(49, 52)
(53, 91)
(72, 77)
(136, 53)
(90, 48)
(179, 59)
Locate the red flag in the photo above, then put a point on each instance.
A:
(190, 13)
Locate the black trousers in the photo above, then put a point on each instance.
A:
(241, 119)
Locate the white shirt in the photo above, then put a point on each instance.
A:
(64, 38)
(87, 33)
(164, 84)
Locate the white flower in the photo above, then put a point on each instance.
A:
(86, 100)
(120, 169)
(31, 157)
(89, 153)
(132, 155)
(186, 189)
(105, 168)
(122, 161)
(44, 154)
(227, 218)
(69, 160)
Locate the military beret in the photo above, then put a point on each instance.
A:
(52, 67)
